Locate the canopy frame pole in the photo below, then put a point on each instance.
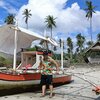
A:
(15, 43)
(15, 49)
(62, 54)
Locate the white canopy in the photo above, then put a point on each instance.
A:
(24, 38)
(13, 38)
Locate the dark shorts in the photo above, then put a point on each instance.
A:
(46, 80)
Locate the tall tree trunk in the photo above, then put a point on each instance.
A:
(27, 25)
(51, 38)
(91, 28)
(51, 33)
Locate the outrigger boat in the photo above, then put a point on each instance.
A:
(27, 72)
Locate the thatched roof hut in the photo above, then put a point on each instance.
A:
(94, 47)
(93, 53)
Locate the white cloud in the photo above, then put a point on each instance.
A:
(8, 7)
(69, 20)
(96, 21)
(1, 3)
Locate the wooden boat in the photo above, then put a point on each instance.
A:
(27, 72)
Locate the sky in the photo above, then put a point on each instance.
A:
(69, 14)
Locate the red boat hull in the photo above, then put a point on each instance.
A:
(32, 77)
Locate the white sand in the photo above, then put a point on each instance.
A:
(77, 90)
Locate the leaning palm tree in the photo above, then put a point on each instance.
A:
(27, 15)
(90, 10)
(10, 19)
(50, 20)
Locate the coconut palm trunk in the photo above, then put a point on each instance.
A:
(27, 25)
(51, 33)
(91, 29)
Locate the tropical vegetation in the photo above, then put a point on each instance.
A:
(5, 62)
(90, 10)
(70, 47)
(10, 19)
(50, 22)
(27, 15)
(75, 51)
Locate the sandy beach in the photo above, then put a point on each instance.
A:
(78, 89)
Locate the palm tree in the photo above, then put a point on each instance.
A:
(98, 37)
(27, 15)
(80, 41)
(10, 19)
(50, 20)
(60, 42)
(90, 10)
(80, 48)
(70, 46)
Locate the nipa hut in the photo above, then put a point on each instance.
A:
(93, 53)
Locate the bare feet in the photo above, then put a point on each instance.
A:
(51, 95)
(42, 95)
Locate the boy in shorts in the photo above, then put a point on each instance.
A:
(46, 75)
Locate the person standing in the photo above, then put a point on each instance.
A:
(46, 65)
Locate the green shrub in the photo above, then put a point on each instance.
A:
(4, 62)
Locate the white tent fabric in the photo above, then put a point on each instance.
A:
(13, 38)
(24, 38)
(52, 41)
